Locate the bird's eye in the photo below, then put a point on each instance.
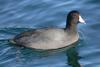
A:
(75, 15)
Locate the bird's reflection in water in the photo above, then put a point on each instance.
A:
(73, 57)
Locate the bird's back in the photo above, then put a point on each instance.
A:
(44, 39)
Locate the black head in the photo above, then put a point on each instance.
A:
(74, 17)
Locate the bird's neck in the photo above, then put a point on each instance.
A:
(72, 29)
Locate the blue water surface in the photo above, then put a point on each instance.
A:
(20, 15)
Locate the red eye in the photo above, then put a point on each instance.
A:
(75, 15)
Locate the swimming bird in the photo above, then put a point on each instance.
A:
(51, 38)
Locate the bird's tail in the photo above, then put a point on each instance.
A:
(12, 41)
(8, 40)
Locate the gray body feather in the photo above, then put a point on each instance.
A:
(46, 39)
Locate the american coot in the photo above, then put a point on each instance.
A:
(51, 38)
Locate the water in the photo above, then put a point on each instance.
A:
(19, 15)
